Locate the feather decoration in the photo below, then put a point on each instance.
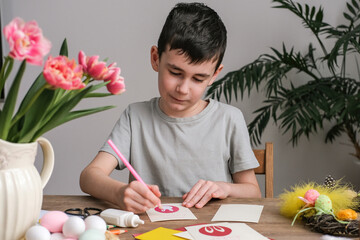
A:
(341, 195)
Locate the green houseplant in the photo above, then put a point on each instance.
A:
(324, 92)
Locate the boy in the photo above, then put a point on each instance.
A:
(179, 144)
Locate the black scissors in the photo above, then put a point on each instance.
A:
(84, 213)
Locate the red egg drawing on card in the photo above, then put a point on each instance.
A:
(167, 209)
(215, 231)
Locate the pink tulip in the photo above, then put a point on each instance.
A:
(60, 72)
(92, 66)
(116, 87)
(113, 73)
(26, 41)
(99, 71)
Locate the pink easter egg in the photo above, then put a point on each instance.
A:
(311, 195)
(54, 221)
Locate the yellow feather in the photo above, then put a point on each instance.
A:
(341, 195)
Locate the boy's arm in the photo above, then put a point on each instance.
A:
(245, 186)
(95, 180)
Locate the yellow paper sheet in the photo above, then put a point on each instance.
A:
(160, 233)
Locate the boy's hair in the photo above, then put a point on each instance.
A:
(196, 30)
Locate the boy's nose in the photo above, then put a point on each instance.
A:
(182, 87)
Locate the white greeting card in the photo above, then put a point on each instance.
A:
(170, 211)
(184, 234)
(224, 231)
(238, 213)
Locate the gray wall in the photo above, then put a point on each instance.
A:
(124, 31)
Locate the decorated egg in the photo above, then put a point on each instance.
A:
(37, 233)
(54, 221)
(346, 214)
(73, 227)
(95, 222)
(311, 195)
(92, 234)
(324, 203)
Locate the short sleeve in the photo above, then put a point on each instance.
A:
(242, 155)
(121, 136)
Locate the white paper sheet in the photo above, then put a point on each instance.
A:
(238, 213)
(224, 231)
(170, 211)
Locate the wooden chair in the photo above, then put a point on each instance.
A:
(266, 161)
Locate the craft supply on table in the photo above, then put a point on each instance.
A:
(37, 233)
(117, 231)
(54, 221)
(121, 218)
(128, 165)
(219, 231)
(160, 233)
(110, 226)
(238, 212)
(224, 231)
(58, 225)
(170, 211)
(328, 208)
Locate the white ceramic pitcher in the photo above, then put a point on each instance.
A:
(21, 185)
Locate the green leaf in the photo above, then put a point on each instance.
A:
(10, 101)
(97, 95)
(36, 113)
(64, 49)
(38, 84)
(351, 9)
(334, 132)
(355, 4)
(348, 17)
(58, 120)
(5, 71)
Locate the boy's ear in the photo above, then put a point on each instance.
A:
(216, 74)
(154, 57)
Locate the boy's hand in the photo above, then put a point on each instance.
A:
(203, 191)
(137, 198)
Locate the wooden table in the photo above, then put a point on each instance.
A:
(271, 224)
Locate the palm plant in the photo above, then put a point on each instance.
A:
(329, 93)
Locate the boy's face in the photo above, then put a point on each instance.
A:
(181, 84)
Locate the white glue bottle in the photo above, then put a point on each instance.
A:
(121, 218)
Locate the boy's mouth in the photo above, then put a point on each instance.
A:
(177, 100)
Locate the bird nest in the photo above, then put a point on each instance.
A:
(327, 224)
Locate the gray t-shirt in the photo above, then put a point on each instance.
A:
(174, 153)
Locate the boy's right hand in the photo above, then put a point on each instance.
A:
(137, 198)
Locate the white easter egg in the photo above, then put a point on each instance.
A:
(37, 233)
(92, 234)
(95, 222)
(73, 227)
(57, 236)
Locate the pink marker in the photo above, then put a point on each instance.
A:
(128, 165)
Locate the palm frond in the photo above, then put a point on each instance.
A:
(311, 17)
(334, 132)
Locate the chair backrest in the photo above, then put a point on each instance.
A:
(266, 161)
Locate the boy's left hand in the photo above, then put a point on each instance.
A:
(203, 191)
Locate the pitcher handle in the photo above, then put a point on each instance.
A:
(48, 160)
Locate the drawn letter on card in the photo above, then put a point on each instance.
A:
(170, 211)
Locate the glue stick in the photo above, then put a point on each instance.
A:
(121, 218)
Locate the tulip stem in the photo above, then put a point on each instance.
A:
(8, 65)
(19, 115)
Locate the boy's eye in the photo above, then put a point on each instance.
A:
(198, 80)
(174, 73)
